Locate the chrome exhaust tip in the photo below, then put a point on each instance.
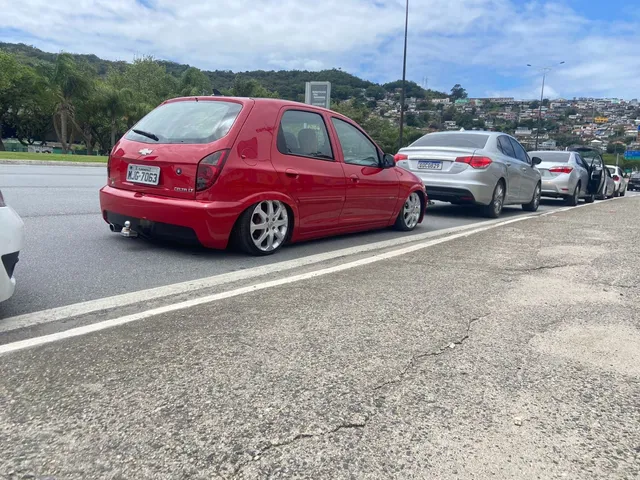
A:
(112, 227)
(127, 231)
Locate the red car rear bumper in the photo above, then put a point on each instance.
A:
(211, 222)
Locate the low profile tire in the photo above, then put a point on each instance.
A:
(410, 214)
(533, 205)
(494, 209)
(263, 228)
(590, 199)
(572, 200)
(623, 193)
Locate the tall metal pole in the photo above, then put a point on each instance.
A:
(544, 71)
(404, 73)
(544, 75)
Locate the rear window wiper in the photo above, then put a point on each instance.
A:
(145, 134)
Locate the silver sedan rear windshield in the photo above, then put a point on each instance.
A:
(187, 121)
(463, 140)
(556, 157)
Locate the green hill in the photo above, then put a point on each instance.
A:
(289, 84)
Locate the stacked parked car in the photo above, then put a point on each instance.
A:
(619, 180)
(257, 173)
(489, 169)
(254, 174)
(634, 182)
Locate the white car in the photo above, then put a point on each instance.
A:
(11, 243)
(618, 178)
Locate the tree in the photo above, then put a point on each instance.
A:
(69, 84)
(194, 82)
(12, 88)
(457, 92)
(413, 120)
(448, 114)
(616, 147)
(412, 89)
(149, 81)
(250, 88)
(376, 92)
(349, 108)
(33, 116)
(116, 104)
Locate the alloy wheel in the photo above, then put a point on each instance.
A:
(498, 199)
(411, 211)
(269, 225)
(536, 197)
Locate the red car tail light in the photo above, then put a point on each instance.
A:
(561, 169)
(475, 162)
(400, 156)
(616, 178)
(209, 169)
(2, 204)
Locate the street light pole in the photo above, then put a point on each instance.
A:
(544, 76)
(404, 73)
(544, 71)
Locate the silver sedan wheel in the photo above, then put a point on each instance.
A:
(269, 225)
(536, 196)
(498, 199)
(411, 211)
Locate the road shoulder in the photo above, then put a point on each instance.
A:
(507, 354)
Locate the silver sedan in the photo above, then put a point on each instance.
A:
(565, 175)
(490, 169)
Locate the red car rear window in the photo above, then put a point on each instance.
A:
(187, 121)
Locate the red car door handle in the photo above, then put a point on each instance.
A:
(354, 178)
(291, 173)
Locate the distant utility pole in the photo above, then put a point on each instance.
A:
(404, 73)
(544, 71)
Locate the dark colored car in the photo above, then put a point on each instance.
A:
(634, 182)
(256, 173)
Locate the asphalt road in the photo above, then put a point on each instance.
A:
(71, 256)
(512, 353)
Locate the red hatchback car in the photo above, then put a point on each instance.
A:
(256, 173)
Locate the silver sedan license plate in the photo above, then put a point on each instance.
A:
(429, 165)
(143, 174)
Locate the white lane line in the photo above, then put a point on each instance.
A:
(83, 308)
(68, 311)
(95, 327)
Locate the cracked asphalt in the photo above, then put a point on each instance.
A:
(512, 353)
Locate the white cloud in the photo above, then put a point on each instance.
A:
(483, 44)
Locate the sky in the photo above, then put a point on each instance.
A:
(485, 45)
